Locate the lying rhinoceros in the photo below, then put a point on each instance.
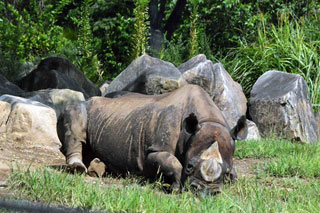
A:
(182, 135)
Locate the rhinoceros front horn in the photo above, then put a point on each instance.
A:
(210, 168)
(212, 152)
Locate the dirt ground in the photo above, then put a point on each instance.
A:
(14, 155)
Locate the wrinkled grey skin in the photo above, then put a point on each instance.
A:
(182, 135)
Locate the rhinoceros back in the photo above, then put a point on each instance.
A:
(122, 130)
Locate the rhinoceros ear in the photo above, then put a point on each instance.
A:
(240, 131)
(191, 124)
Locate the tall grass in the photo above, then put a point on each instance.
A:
(291, 46)
(141, 27)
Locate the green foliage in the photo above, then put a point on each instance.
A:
(194, 18)
(140, 35)
(112, 23)
(288, 46)
(228, 21)
(174, 50)
(102, 37)
(29, 32)
(84, 45)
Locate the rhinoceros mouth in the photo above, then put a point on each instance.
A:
(205, 188)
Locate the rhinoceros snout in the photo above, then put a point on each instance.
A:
(205, 190)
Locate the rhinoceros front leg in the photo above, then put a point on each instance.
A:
(169, 165)
(75, 125)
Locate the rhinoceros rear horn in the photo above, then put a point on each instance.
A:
(190, 124)
(240, 131)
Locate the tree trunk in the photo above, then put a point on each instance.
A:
(175, 18)
(158, 28)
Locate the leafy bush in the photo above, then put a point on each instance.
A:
(289, 46)
(29, 32)
(112, 27)
(84, 45)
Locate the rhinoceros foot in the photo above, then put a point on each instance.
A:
(97, 168)
(76, 166)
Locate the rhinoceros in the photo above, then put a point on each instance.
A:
(181, 135)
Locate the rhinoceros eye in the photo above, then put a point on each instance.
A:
(189, 168)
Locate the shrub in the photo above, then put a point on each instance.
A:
(289, 46)
(29, 32)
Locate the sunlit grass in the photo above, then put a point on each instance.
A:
(260, 194)
(284, 158)
(286, 182)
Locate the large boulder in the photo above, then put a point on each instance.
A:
(199, 71)
(5, 109)
(31, 123)
(56, 98)
(147, 75)
(253, 131)
(280, 106)
(216, 81)
(26, 68)
(6, 87)
(104, 86)
(318, 122)
(58, 73)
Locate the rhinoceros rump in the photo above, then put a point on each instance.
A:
(182, 134)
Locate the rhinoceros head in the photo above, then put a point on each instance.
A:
(209, 156)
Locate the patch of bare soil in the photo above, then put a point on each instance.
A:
(19, 155)
(246, 167)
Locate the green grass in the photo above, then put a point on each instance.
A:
(264, 194)
(284, 158)
(268, 148)
(286, 182)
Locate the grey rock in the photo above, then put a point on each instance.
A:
(58, 73)
(280, 106)
(199, 71)
(25, 69)
(56, 98)
(318, 122)
(216, 81)
(5, 109)
(147, 75)
(253, 131)
(7, 87)
(104, 86)
(228, 95)
(31, 123)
